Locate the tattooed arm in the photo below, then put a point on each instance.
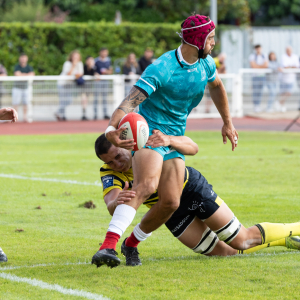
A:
(134, 98)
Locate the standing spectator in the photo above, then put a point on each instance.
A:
(73, 66)
(20, 91)
(131, 67)
(258, 61)
(272, 79)
(3, 72)
(102, 67)
(89, 69)
(288, 61)
(146, 60)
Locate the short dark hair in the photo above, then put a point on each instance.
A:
(103, 48)
(102, 145)
(257, 46)
(23, 54)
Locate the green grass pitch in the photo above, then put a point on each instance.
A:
(260, 181)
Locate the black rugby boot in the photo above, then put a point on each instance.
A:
(106, 257)
(131, 254)
(3, 257)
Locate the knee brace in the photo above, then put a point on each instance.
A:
(228, 232)
(207, 243)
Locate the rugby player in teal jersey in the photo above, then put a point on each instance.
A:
(198, 205)
(166, 93)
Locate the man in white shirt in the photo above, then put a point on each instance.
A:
(258, 61)
(288, 61)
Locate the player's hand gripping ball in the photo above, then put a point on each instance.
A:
(137, 129)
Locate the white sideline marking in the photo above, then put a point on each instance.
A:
(53, 287)
(43, 265)
(13, 176)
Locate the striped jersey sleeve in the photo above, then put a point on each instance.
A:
(111, 179)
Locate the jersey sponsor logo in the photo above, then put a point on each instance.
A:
(192, 70)
(196, 205)
(107, 181)
(212, 192)
(180, 224)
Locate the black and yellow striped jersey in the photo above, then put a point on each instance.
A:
(116, 180)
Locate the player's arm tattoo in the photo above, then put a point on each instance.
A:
(134, 98)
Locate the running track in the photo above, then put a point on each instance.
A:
(241, 124)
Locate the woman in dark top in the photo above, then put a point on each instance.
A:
(131, 67)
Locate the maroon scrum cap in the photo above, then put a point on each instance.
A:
(195, 30)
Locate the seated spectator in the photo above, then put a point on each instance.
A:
(3, 72)
(146, 60)
(131, 67)
(66, 88)
(89, 69)
(272, 79)
(288, 61)
(102, 67)
(20, 91)
(258, 61)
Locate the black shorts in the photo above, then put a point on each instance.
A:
(198, 200)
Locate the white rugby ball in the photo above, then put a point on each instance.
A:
(137, 129)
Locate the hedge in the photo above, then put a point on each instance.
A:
(48, 44)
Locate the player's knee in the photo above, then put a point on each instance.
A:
(207, 244)
(146, 188)
(170, 203)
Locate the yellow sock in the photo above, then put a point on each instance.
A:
(280, 242)
(274, 231)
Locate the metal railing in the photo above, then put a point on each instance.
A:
(48, 96)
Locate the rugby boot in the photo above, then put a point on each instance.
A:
(3, 257)
(106, 257)
(131, 254)
(292, 242)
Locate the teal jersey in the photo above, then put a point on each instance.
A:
(174, 88)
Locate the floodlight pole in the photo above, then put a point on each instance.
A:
(214, 11)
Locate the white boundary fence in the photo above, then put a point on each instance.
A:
(45, 94)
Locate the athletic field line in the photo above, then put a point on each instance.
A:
(13, 176)
(43, 265)
(52, 287)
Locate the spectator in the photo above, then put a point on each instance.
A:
(220, 63)
(3, 72)
(66, 88)
(272, 79)
(258, 61)
(288, 61)
(146, 60)
(221, 68)
(131, 67)
(20, 91)
(102, 67)
(89, 69)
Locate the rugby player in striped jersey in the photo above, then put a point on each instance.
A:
(203, 222)
(7, 114)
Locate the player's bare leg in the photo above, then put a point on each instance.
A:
(169, 192)
(231, 231)
(147, 167)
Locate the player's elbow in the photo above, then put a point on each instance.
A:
(194, 149)
(170, 205)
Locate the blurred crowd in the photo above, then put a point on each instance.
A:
(273, 80)
(99, 88)
(279, 84)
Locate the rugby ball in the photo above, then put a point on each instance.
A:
(137, 129)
